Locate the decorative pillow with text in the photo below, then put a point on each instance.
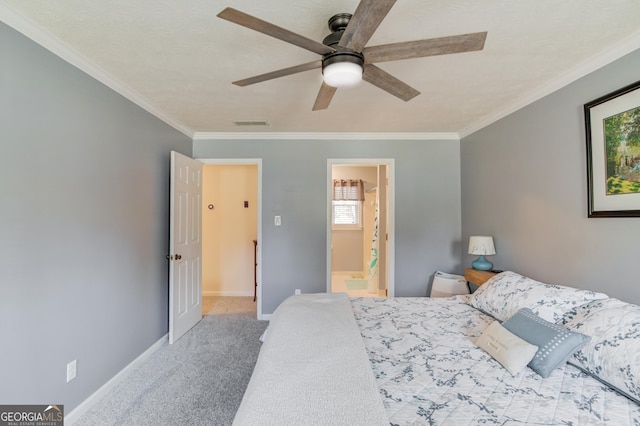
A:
(505, 347)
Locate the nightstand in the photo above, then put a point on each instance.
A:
(476, 278)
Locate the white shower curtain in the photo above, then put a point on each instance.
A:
(372, 286)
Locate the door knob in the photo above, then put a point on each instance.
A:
(178, 256)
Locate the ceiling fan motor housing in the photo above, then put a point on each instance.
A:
(337, 24)
(342, 56)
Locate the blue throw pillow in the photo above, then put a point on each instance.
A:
(556, 344)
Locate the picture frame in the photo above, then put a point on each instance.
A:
(613, 153)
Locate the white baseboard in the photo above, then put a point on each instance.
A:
(265, 317)
(88, 403)
(228, 293)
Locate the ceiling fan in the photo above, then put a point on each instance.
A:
(345, 59)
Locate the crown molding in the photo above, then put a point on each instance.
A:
(592, 64)
(56, 46)
(325, 136)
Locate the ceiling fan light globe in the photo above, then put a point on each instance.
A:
(342, 74)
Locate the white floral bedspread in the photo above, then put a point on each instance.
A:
(429, 372)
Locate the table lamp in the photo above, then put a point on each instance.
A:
(482, 246)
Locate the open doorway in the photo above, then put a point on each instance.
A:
(231, 233)
(360, 227)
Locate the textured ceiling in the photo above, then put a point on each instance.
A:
(177, 59)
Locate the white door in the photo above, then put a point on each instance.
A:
(185, 245)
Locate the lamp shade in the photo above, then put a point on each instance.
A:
(482, 246)
(342, 74)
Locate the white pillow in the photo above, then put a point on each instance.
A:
(506, 293)
(505, 347)
(613, 354)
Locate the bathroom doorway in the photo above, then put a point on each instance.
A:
(360, 229)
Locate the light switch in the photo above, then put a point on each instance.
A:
(277, 221)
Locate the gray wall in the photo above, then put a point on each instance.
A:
(427, 206)
(84, 219)
(524, 182)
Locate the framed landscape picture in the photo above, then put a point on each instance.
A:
(613, 153)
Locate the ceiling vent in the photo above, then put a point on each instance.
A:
(251, 123)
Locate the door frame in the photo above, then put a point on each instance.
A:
(390, 164)
(248, 162)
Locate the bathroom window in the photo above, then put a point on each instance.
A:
(347, 212)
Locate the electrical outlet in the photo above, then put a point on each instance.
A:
(297, 291)
(277, 221)
(71, 370)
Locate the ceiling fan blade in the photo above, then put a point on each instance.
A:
(324, 97)
(421, 48)
(364, 22)
(279, 73)
(389, 83)
(272, 30)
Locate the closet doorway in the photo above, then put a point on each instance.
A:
(360, 239)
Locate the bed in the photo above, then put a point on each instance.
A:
(515, 352)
